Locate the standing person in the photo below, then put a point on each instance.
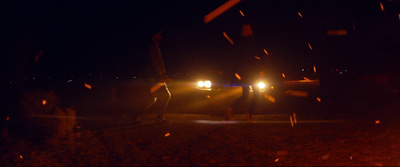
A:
(246, 69)
(157, 80)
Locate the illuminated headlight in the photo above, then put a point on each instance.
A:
(200, 84)
(261, 85)
(204, 84)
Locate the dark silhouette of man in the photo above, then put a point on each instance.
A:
(157, 80)
(247, 67)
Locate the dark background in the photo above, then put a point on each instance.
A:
(89, 38)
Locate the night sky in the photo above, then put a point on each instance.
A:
(107, 37)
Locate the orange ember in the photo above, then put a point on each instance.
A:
(241, 12)
(88, 86)
(309, 45)
(167, 134)
(300, 14)
(266, 52)
(262, 73)
(291, 121)
(381, 5)
(238, 76)
(227, 38)
(44, 102)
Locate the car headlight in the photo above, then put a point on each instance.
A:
(204, 84)
(261, 85)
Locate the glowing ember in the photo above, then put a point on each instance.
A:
(351, 157)
(291, 121)
(309, 45)
(315, 69)
(220, 10)
(399, 16)
(44, 102)
(318, 99)
(238, 76)
(241, 12)
(8, 118)
(167, 134)
(381, 5)
(266, 52)
(276, 160)
(261, 73)
(20, 156)
(88, 86)
(377, 122)
(208, 96)
(294, 117)
(258, 58)
(283, 75)
(246, 30)
(300, 14)
(337, 32)
(227, 37)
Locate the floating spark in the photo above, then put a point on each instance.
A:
(381, 5)
(238, 76)
(241, 12)
(167, 134)
(88, 86)
(44, 102)
(227, 37)
(300, 14)
(265, 51)
(291, 121)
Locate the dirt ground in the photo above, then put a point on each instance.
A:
(203, 140)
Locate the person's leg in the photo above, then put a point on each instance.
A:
(147, 100)
(256, 94)
(138, 116)
(243, 97)
(163, 97)
(240, 100)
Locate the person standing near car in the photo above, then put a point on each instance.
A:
(156, 80)
(246, 71)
